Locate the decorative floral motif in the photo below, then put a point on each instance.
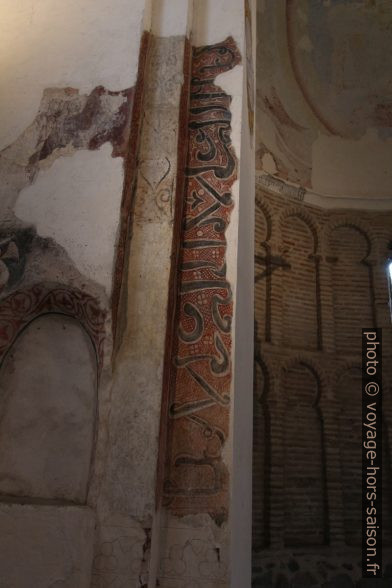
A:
(23, 306)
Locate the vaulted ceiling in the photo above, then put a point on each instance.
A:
(324, 98)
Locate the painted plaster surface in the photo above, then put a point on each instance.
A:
(125, 490)
(195, 554)
(324, 96)
(196, 480)
(345, 167)
(63, 189)
(56, 61)
(194, 548)
(66, 104)
(172, 17)
(230, 16)
(68, 197)
(122, 557)
(42, 431)
(49, 43)
(207, 13)
(80, 215)
(340, 56)
(60, 556)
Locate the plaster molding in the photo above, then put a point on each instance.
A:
(293, 192)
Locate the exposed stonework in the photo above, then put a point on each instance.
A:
(320, 276)
(322, 568)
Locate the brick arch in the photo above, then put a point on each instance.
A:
(22, 307)
(352, 247)
(268, 372)
(40, 311)
(262, 290)
(265, 209)
(349, 403)
(356, 364)
(313, 366)
(301, 313)
(351, 457)
(343, 368)
(306, 518)
(261, 502)
(298, 212)
(355, 223)
(384, 249)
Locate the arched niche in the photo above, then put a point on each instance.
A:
(348, 393)
(261, 458)
(300, 305)
(262, 291)
(48, 383)
(352, 286)
(305, 512)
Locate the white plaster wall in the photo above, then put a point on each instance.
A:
(355, 173)
(214, 20)
(76, 202)
(358, 168)
(171, 17)
(242, 404)
(48, 411)
(49, 43)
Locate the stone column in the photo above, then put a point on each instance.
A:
(195, 517)
(126, 494)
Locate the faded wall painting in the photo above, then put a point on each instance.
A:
(324, 100)
(196, 477)
(55, 329)
(48, 406)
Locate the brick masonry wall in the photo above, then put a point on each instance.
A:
(299, 285)
(350, 431)
(353, 302)
(304, 483)
(320, 276)
(261, 435)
